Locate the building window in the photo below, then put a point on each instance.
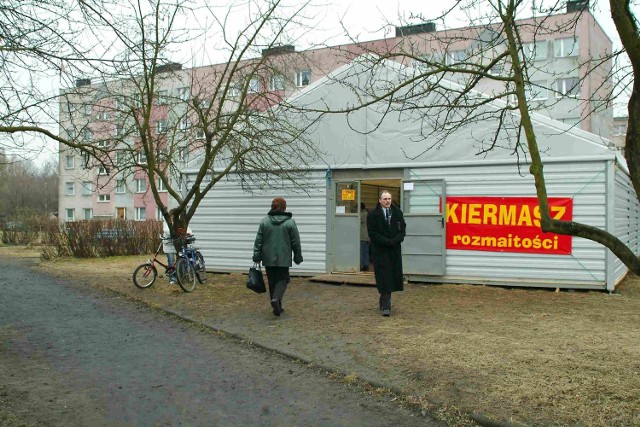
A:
(184, 123)
(276, 82)
(620, 130)
(103, 115)
(162, 98)
(141, 185)
(254, 85)
(159, 214)
(161, 186)
(234, 90)
(103, 171)
(183, 93)
(120, 187)
(566, 47)
(141, 214)
(497, 69)
(183, 154)
(119, 130)
(69, 188)
(69, 162)
(71, 214)
(303, 78)
(87, 213)
(200, 134)
(103, 144)
(103, 198)
(87, 188)
(536, 91)
(567, 87)
(120, 104)
(86, 109)
(141, 158)
(455, 57)
(161, 126)
(536, 51)
(87, 134)
(137, 100)
(71, 134)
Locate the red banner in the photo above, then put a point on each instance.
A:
(505, 224)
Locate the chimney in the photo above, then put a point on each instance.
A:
(425, 27)
(83, 82)
(577, 5)
(171, 66)
(278, 50)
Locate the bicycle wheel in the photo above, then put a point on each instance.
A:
(145, 275)
(186, 275)
(201, 269)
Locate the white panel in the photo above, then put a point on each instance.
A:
(584, 181)
(627, 218)
(227, 220)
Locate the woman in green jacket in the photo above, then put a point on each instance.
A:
(277, 238)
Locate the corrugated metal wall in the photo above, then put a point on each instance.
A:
(627, 218)
(583, 181)
(226, 222)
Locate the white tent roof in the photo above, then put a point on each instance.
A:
(381, 135)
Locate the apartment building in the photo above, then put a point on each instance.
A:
(560, 86)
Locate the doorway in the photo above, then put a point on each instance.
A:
(353, 199)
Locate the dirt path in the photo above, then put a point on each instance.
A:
(71, 355)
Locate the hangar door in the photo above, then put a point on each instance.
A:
(424, 247)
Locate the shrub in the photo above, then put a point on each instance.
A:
(93, 238)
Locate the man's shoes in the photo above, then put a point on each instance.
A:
(275, 304)
(386, 312)
(172, 282)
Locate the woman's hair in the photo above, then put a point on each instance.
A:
(278, 204)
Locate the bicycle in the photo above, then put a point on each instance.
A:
(145, 274)
(195, 258)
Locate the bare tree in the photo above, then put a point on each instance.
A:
(136, 116)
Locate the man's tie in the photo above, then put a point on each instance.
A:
(388, 215)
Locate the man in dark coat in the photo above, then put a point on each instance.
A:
(387, 229)
(276, 240)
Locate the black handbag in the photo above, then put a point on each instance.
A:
(255, 282)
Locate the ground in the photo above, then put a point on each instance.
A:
(526, 356)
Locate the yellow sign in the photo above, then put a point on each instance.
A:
(348, 194)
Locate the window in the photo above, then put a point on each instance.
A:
(276, 82)
(69, 162)
(184, 154)
(141, 185)
(87, 134)
(119, 130)
(103, 171)
(619, 130)
(87, 188)
(497, 69)
(536, 91)
(567, 87)
(141, 158)
(137, 100)
(184, 123)
(87, 213)
(536, 51)
(120, 104)
(159, 214)
(120, 187)
(161, 126)
(162, 98)
(71, 134)
(566, 47)
(455, 57)
(234, 89)
(254, 85)
(86, 109)
(103, 144)
(141, 214)
(205, 103)
(200, 134)
(183, 93)
(303, 78)
(103, 198)
(71, 214)
(161, 186)
(69, 188)
(103, 115)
